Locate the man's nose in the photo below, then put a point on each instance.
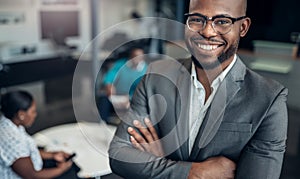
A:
(208, 31)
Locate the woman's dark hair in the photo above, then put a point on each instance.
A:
(14, 101)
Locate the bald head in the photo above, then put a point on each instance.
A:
(242, 4)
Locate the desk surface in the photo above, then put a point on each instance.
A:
(90, 142)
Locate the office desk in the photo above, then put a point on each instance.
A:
(36, 70)
(90, 142)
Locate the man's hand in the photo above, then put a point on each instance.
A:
(148, 139)
(213, 168)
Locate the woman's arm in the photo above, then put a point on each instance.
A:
(24, 168)
(46, 155)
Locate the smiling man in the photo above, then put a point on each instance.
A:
(213, 35)
(208, 116)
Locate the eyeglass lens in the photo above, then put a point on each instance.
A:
(221, 25)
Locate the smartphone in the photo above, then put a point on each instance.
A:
(70, 157)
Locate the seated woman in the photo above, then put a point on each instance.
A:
(20, 157)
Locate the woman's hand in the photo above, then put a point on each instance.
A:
(65, 165)
(60, 156)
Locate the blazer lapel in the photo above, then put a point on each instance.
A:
(182, 104)
(214, 116)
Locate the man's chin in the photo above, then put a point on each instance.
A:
(211, 65)
(206, 62)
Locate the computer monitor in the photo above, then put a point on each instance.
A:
(58, 25)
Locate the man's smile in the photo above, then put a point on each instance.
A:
(207, 47)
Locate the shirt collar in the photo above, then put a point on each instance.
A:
(11, 124)
(216, 81)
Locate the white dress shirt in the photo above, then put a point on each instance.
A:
(198, 106)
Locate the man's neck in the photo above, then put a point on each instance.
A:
(207, 76)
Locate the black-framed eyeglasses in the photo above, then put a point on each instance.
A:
(222, 24)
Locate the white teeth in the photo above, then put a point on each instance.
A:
(207, 47)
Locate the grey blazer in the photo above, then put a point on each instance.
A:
(246, 122)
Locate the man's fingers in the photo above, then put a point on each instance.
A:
(136, 135)
(144, 130)
(136, 144)
(151, 129)
(142, 137)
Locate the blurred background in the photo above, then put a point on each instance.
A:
(41, 42)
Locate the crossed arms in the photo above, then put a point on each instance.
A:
(135, 152)
(147, 140)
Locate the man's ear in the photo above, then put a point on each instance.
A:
(245, 26)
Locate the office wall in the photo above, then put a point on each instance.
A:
(28, 32)
(272, 20)
(115, 11)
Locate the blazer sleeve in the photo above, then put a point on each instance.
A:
(262, 158)
(128, 162)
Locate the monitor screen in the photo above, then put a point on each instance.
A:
(57, 25)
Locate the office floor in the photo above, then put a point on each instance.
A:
(62, 112)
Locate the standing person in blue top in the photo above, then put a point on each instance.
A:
(19, 155)
(122, 79)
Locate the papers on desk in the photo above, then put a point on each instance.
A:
(52, 144)
(89, 141)
(272, 65)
